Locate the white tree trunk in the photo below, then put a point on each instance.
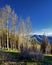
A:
(0, 43)
(7, 37)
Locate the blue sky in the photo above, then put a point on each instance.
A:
(40, 12)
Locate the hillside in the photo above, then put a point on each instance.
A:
(39, 38)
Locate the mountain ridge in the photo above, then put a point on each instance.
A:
(39, 38)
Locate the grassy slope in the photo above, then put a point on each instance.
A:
(47, 57)
(14, 51)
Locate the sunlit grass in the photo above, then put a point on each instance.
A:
(10, 50)
(31, 63)
(47, 54)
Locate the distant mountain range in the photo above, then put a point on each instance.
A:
(39, 38)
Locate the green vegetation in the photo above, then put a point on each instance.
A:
(47, 54)
(13, 51)
(47, 60)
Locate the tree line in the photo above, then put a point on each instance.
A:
(15, 32)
